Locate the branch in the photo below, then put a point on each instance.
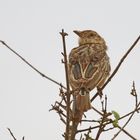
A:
(105, 115)
(127, 133)
(117, 67)
(134, 93)
(138, 109)
(29, 64)
(87, 129)
(94, 127)
(97, 111)
(126, 123)
(97, 121)
(11, 133)
(63, 34)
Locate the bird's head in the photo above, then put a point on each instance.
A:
(89, 36)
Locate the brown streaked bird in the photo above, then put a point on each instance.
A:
(89, 67)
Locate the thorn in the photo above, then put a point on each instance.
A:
(63, 135)
(62, 61)
(62, 53)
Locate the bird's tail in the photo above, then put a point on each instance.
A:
(83, 101)
(82, 104)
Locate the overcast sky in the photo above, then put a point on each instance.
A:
(32, 27)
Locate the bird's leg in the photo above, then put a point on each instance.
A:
(99, 91)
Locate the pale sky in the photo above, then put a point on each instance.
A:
(31, 27)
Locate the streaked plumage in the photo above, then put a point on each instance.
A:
(88, 67)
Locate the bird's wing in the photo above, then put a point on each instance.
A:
(86, 66)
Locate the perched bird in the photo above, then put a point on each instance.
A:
(88, 68)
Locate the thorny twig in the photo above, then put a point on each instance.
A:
(29, 64)
(117, 67)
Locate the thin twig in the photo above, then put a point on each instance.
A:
(58, 110)
(127, 133)
(81, 137)
(97, 121)
(63, 94)
(87, 129)
(104, 109)
(29, 64)
(63, 34)
(11, 133)
(117, 67)
(62, 119)
(97, 111)
(126, 123)
(138, 109)
(134, 93)
(107, 123)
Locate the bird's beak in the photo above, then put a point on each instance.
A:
(77, 32)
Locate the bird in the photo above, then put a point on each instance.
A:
(89, 67)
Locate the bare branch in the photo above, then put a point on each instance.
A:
(87, 129)
(138, 109)
(90, 121)
(134, 93)
(29, 64)
(127, 133)
(11, 133)
(117, 67)
(110, 122)
(126, 123)
(104, 118)
(63, 34)
(97, 111)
